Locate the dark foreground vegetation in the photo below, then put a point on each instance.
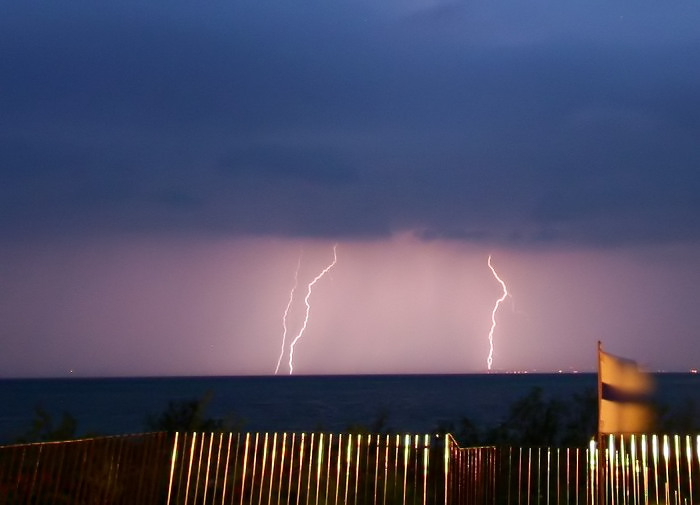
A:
(533, 420)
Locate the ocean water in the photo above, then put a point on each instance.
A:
(408, 403)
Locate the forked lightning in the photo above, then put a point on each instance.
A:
(489, 359)
(286, 313)
(309, 289)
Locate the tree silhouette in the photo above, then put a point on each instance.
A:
(190, 416)
(43, 429)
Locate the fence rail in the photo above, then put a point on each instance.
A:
(124, 470)
(354, 469)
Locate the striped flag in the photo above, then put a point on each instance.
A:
(624, 393)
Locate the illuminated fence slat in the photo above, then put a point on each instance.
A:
(636, 470)
(651, 469)
(305, 469)
(348, 469)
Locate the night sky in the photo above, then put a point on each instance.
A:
(168, 169)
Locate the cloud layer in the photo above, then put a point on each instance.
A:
(493, 122)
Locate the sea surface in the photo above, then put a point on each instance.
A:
(407, 403)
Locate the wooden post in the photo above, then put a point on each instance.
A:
(600, 450)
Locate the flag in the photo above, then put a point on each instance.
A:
(624, 394)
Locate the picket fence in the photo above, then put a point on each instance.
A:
(347, 468)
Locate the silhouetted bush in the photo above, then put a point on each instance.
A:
(43, 429)
(190, 416)
(534, 420)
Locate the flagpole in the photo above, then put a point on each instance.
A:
(600, 386)
(601, 473)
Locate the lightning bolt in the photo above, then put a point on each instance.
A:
(308, 307)
(286, 313)
(489, 359)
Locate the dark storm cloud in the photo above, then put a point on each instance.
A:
(452, 119)
(288, 163)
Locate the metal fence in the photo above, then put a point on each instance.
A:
(356, 469)
(651, 469)
(315, 468)
(126, 470)
(521, 476)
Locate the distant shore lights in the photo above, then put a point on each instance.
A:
(489, 359)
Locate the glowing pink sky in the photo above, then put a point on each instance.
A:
(164, 307)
